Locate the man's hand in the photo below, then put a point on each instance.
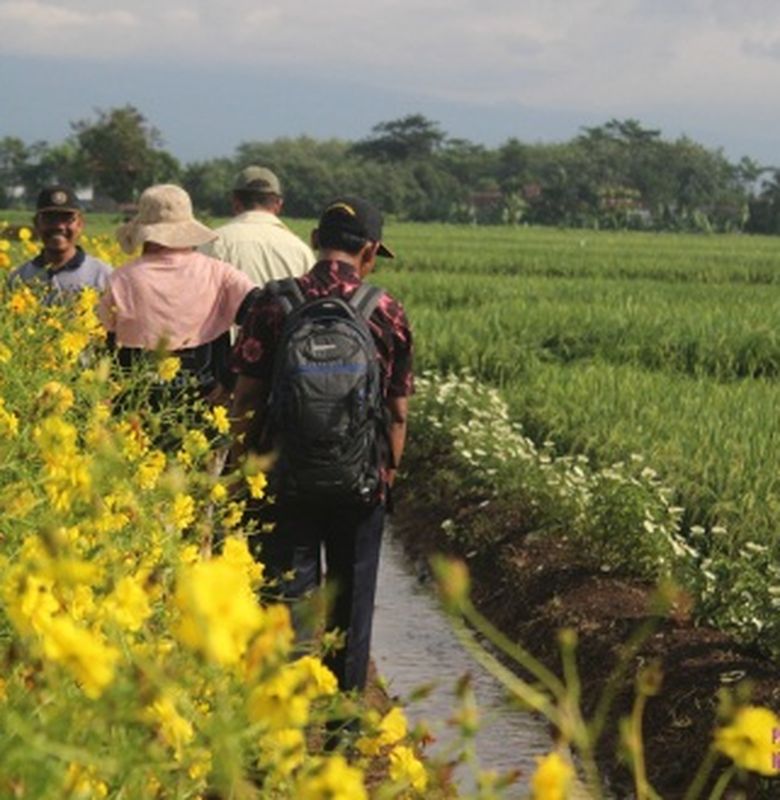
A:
(398, 408)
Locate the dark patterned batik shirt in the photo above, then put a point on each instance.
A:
(253, 354)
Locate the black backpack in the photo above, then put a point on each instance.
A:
(326, 414)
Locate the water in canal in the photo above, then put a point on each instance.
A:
(413, 644)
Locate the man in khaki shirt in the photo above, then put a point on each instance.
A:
(256, 240)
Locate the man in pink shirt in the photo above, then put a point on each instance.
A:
(173, 298)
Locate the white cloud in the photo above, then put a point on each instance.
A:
(599, 55)
(30, 18)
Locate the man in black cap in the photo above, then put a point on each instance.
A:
(308, 519)
(62, 265)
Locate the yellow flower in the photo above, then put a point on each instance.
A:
(54, 436)
(91, 662)
(82, 782)
(273, 641)
(314, 677)
(183, 511)
(55, 398)
(66, 480)
(133, 440)
(189, 554)
(406, 767)
(29, 599)
(86, 300)
(80, 602)
(391, 729)
(16, 499)
(5, 354)
(236, 552)
(5, 260)
(22, 301)
(174, 730)
(257, 484)
(200, 766)
(9, 422)
(218, 492)
(72, 344)
(25, 234)
(749, 741)
(284, 700)
(233, 515)
(218, 417)
(168, 368)
(150, 469)
(219, 611)
(282, 751)
(552, 778)
(194, 446)
(128, 604)
(330, 777)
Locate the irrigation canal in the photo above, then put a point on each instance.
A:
(414, 645)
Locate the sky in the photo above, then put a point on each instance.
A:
(211, 74)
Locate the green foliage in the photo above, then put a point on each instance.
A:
(619, 175)
(621, 513)
(412, 137)
(121, 152)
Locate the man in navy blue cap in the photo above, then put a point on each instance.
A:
(349, 240)
(62, 264)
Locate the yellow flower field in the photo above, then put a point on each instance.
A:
(136, 662)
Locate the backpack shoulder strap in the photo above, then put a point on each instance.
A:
(366, 299)
(287, 293)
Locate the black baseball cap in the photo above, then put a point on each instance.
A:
(57, 198)
(355, 217)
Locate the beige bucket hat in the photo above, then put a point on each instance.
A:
(164, 217)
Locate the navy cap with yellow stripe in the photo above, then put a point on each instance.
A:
(356, 217)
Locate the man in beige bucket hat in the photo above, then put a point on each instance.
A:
(172, 297)
(256, 240)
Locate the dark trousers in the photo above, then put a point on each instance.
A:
(349, 539)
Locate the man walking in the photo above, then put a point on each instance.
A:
(348, 529)
(62, 265)
(256, 240)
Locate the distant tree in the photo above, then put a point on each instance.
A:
(14, 155)
(513, 166)
(619, 174)
(764, 213)
(122, 153)
(209, 184)
(411, 137)
(473, 165)
(50, 164)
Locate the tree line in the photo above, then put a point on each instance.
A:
(616, 175)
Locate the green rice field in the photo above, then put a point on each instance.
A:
(609, 344)
(617, 343)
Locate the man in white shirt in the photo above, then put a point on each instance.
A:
(256, 240)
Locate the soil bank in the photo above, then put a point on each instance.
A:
(531, 587)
